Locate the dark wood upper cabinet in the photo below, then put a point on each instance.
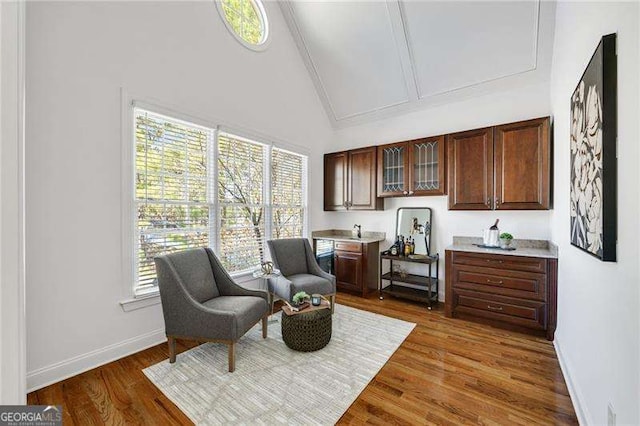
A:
(470, 169)
(503, 167)
(522, 165)
(414, 167)
(350, 180)
(362, 179)
(335, 181)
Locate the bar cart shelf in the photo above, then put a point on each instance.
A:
(420, 288)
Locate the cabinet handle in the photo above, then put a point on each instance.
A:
(405, 192)
(497, 203)
(493, 308)
(410, 192)
(488, 203)
(494, 282)
(494, 261)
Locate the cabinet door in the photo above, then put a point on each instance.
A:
(470, 169)
(522, 165)
(348, 270)
(393, 170)
(335, 181)
(427, 166)
(362, 180)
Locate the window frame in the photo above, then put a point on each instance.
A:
(133, 299)
(262, 12)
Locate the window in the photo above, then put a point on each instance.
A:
(246, 20)
(241, 187)
(197, 187)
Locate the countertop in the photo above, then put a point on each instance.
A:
(529, 248)
(343, 235)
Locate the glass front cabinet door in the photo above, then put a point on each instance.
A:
(412, 168)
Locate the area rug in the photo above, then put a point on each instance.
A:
(273, 384)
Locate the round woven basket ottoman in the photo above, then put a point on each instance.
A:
(308, 331)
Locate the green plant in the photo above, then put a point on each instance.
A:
(300, 297)
(506, 236)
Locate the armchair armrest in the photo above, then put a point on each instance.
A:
(226, 285)
(314, 268)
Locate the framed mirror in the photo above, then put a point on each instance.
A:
(415, 222)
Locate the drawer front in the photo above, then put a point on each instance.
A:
(515, 263)
(527, 285)
(345, 246)
(524, 313)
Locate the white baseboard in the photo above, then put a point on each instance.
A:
(53, 373)
(584, 418)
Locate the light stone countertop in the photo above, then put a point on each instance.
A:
(343, 235)
(529, 248)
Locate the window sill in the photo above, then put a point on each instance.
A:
(140, 302)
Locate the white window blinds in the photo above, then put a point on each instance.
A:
(198, 187)
(288, 193)
(171, 190)
(241, 202)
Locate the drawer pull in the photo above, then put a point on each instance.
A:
(494, 261)
(493, 308)
(495, 282)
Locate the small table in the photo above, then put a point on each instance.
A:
(275, 273)
(307, 330)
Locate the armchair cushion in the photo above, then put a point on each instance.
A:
(246, 310)
(289, 255)
(194, 269)
(311, 284)
(285, 288)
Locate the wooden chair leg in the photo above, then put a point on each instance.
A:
(232, 357)
(264, 326)
(172, 348)
(333, 302)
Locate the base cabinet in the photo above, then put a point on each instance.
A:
(356, 267)
(516, 292)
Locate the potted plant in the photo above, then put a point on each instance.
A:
(299, 298)
(505, 239)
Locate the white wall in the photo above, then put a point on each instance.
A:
(598, 334)
(12, 310)
(501, 107)
(79, 56)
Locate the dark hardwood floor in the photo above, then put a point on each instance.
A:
(446, 372)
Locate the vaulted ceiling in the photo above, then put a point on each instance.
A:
(373, 59)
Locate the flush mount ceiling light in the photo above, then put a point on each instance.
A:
(246, 20)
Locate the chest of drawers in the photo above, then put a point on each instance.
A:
(516, 292)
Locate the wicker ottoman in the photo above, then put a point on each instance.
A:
(308, 331)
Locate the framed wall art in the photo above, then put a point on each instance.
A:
(593, 193)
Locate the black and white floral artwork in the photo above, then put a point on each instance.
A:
(587, 193)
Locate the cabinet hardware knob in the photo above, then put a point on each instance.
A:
(493, 308)
(497, 203)
(410, 192)
(488, 203)
(405, 192)
(494, 282)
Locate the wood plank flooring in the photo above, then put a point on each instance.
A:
(446, 372)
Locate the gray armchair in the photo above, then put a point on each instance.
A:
(300, 271)
(200, 301)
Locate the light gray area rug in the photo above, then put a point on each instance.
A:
(273, 384)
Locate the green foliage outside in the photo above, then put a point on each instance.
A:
(244, 18)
